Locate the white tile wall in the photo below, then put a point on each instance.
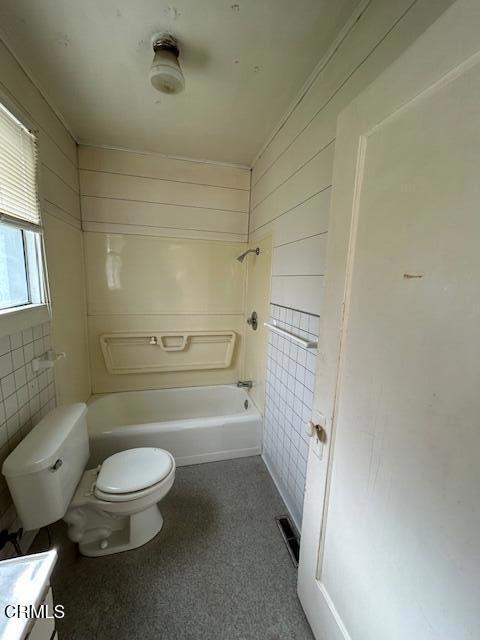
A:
(290, 384)
(25, 397)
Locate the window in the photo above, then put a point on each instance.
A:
(21, 262)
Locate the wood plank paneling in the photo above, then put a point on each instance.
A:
(156, 166)
(304, 257)
(384, 30)
(298, 292)
(54, 158)
(58, 192)
(61, 214)
(126, 187)
(308, 219)
(166, 232)
(25, 94)
(311, 179)
(290, 180)
(146, 194)
(162, 215)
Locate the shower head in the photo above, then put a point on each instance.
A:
(245, 253)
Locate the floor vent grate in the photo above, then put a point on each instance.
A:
(290, 536)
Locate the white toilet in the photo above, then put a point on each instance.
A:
(108, 509)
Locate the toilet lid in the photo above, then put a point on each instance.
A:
(133, 470)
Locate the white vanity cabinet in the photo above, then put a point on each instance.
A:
(44, 628)
(25, 581)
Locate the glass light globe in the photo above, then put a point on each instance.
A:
(165, 73)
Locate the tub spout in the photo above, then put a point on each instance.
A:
(245, 384)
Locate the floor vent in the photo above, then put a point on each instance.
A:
(290, 536)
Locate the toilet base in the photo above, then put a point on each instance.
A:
(113, 534)
(103, 527)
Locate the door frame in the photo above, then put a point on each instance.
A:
(445, 49)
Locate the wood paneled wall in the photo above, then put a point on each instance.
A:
(147, 194)
(292, 178)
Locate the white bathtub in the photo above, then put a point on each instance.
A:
(196, 424)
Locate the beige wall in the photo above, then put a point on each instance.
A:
(64, 247)
(290, 196)
(161, 240)
(148, 194)
(161, 234)
(292, 178)
(59, 191)
(26, 404)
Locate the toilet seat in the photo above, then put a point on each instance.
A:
(133, 474)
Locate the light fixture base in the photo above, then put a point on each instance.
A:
(166, 42)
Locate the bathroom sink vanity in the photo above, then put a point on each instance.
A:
(26, 581)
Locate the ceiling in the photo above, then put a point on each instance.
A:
(243, 60)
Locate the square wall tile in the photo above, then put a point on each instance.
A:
(290, 383)
(25, 395)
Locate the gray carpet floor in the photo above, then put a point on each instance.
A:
(219, 569)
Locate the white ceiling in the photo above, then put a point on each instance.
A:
(243, 61)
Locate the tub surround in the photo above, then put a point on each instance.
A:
(161, 238)
(159, 352)
(257, 297)
(103, 382)
(154, 284)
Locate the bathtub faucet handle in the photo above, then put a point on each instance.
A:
(245, 384)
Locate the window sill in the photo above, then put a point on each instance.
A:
(20, 318)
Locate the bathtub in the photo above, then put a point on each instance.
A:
(196, 424)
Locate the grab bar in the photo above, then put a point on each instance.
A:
(303, 342)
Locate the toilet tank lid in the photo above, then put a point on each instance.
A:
(41, 447)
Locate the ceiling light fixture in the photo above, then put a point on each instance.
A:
(165, 73)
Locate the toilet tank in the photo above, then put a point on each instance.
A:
(43, 471)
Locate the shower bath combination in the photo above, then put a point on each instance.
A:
(242, 257)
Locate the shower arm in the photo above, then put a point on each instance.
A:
(242, 257)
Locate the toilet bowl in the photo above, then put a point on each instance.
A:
(115, 506)
(111, 508)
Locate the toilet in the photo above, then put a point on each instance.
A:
(109, 509)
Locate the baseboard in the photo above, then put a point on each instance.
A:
(284, 494)
(216, 456)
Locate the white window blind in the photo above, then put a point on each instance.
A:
(19, 204)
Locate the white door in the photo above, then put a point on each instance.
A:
(391, 527)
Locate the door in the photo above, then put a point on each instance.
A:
(391, 528)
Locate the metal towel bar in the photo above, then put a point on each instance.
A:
(303, 342)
